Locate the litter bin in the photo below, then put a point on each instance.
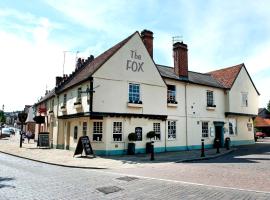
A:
(227, 143)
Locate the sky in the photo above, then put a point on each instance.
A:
(36, 35)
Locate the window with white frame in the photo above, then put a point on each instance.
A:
(171, 94)
(97, 131)
(84, 130)
(138, 132)
(171, 130)
(134, 93)
(117, 131)
(79, 95)
(156, 128)
(210, 98)
(231, 132)
(205, 129)
(51, 105)
(244, 99)
(232, 126)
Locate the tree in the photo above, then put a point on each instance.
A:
(268, 106)
(2, 117)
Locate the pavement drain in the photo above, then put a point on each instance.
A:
(127, 178)
(109, 189)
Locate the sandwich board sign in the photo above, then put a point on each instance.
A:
(43, 139)
(84, 145)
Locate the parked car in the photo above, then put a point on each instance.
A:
(260, 134)
(11, 130)
(6, 132)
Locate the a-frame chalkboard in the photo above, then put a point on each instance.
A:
(43, 140)
(84, 144)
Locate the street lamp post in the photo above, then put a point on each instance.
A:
(22, 118)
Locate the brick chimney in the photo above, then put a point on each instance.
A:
(147, 38)
(180, 56)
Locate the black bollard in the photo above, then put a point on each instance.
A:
(152, 152)
(21, 139)
(202, 149)
(218, 146)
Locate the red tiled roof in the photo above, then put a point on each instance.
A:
(226, 76)
(88, 70)
(261, 122)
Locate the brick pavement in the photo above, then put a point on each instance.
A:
(24, 179)
(65, 157)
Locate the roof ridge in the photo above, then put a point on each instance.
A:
(188, 70)
(94, 65)
(238, 65)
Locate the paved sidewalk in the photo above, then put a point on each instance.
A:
(65, 157)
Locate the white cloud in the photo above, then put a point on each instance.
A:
(216, 34)
(28, 64)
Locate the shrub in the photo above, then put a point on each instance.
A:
(151, 134)
(132, 137)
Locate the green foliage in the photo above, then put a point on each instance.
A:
(132, 137)
(151, 134)
(268, 106)
(2, 117)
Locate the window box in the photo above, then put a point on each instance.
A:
(211, 107)
(63, 109)
(171, 105)
(77, 105)
(135, 105)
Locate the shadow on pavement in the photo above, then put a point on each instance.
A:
(5, 179)
(244, 154)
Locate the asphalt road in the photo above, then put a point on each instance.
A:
(24, 179)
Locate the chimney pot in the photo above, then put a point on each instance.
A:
(147, 38)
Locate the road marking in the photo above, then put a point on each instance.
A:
(184, 182)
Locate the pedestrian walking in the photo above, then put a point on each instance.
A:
(28, 135)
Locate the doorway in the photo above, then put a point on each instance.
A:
(219, 132)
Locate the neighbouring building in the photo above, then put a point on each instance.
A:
(123, 90)
(262, 121)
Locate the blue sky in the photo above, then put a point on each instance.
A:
(34, 34)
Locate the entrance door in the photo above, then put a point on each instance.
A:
(219, 134)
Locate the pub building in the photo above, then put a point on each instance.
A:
(123, 90)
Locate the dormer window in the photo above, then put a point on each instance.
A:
(171, 94)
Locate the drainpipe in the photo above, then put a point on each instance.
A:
(57, 138)
(165, 136)
(91, 96)
(186, 115)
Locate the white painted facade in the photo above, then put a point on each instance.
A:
(111, 100)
